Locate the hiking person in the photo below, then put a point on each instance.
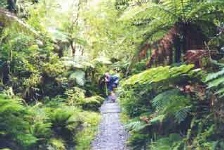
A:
(112, 82)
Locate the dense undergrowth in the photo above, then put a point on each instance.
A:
(45, 102)
(173, 108)
(53, 125)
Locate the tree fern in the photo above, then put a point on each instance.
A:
(181, 114)
(185, 15)
(204, 8)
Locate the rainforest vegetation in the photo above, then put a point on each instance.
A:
(169, 54)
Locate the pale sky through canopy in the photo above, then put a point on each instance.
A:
(68, 4)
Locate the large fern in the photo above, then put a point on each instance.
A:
(158, 74)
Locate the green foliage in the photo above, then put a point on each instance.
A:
(136, 126)
(45, 127)
(138, 140)
(92, 103)
(132, 104)
(62, 118)
(76, 96)
(158, 74)
(58, 144)
(78, 76)
(166, 103)
(157, 100)
(3, 4)
(50, 116)
(138, 67)
(14, 122)
(215, 81)
(172, 142)
(40, 126)
(155, 19)
(86, 135)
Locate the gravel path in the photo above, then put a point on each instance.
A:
(111, 134)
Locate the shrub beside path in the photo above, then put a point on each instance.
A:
(111, 132)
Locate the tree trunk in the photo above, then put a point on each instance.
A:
(177, 49)
(73, 48)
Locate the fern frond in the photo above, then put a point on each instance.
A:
(220, 91)
(162, 99)
(202, 8)
(158, 74)
(212, 76)
(171, 102)
(157, 119)
(9, 105)
(181, 114)
(215, 82)
(41, 129)
(60, 116)
(151, 10)
(136, 125)
(170, 142)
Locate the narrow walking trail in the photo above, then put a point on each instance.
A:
(111, 134)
